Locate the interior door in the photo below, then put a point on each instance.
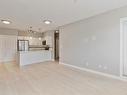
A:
(7, 48)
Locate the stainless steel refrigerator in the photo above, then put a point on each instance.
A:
(23, 45)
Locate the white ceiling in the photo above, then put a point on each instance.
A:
(26, 13)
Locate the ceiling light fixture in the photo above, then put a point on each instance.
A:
(47, 21)
(39, 38)
(6, 22)
(31, 38)
(57, 31)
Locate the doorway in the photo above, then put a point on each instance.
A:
(56, 45)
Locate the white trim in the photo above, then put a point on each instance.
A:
(95, 72)
(121, 47)
(7, 62)
(122, 20)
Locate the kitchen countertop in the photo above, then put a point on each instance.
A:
(33, 51)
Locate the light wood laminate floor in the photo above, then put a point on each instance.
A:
(50, 78)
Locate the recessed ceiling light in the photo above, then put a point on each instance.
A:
(6, 22)
(31, 38)
(39, 38)
(57, 31)
(47, 21)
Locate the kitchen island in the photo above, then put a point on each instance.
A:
(32, 57)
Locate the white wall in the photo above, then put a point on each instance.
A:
(93, 43)
(5, 31)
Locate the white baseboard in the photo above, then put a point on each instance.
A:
(95, 72)
(8, 61)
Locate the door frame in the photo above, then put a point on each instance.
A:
(55, 35)
(122, 20)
